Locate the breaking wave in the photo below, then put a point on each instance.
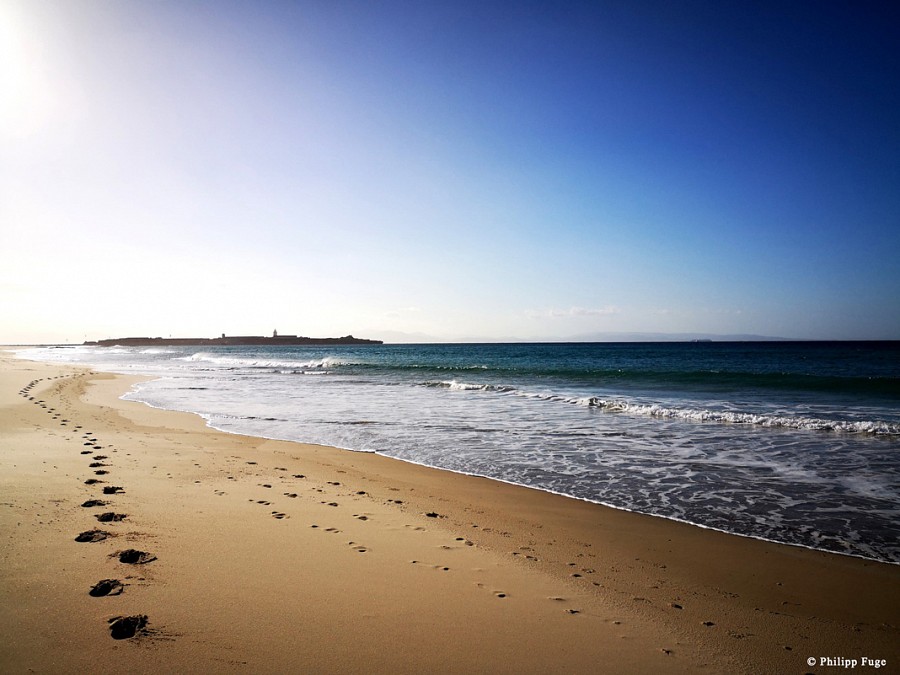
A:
(617, 405)
(728, 417)
(465, 386)
(286, 365)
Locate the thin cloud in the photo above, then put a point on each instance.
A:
(573, 312)
(401, 312)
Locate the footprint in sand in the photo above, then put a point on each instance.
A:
(134, 557)
(93, 502)
(113, 490)
(279, 515)
(91, 536)
(124, 627)
(106, 587)
(436, 567)
(110, 517)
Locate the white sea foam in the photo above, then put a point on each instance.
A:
(289, 366)
(615, 405)
(74, 354)
(453, 385)
(425, 366)
(729, 417)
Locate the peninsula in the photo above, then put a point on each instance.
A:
(231, 341)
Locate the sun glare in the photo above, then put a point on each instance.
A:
(25, 93)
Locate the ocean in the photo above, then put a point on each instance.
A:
(793, 442)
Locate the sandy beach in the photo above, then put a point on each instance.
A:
(227, 553)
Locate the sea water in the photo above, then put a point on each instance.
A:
(787, 441)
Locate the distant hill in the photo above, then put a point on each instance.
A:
(422, 338)
(673, 337)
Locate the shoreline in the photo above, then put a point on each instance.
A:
(527, 487)
(674, 519)
(534, 581)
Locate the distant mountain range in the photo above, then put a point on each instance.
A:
(674, 337)
(423, 338)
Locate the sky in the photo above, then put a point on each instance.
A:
(449, 170)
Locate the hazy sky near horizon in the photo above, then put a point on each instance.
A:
(457, 169)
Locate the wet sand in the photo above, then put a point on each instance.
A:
(139, 539)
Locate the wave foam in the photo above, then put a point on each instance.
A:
(453, 385)
(703, 415)
(288, 366)
(873, 427)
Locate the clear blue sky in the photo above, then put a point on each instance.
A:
(455, 169)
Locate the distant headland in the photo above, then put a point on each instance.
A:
(231, 341)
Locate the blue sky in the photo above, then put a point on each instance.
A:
(466, 169)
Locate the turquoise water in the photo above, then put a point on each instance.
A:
(792, 442)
